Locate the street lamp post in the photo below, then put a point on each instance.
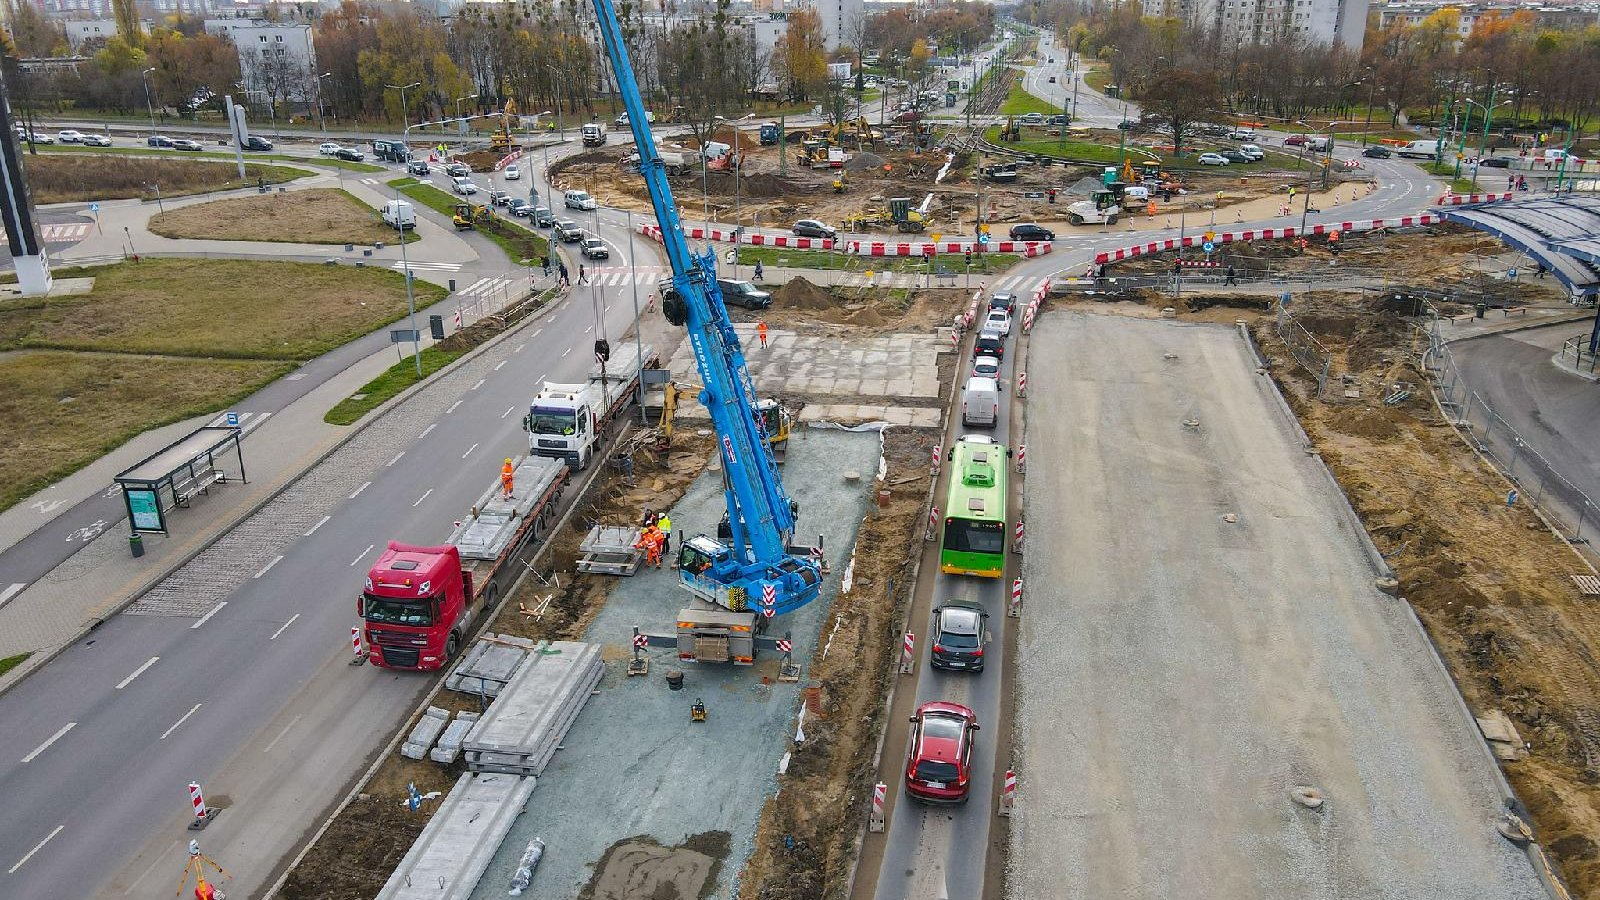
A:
(546, 146)
(561, 130)
(735, 161)
(460, 124)
(323, 126)
(405, 122)
(411, 298)
(149, 108)
(1372, 87)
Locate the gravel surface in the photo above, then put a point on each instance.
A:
(633, 764)
(1179, 674)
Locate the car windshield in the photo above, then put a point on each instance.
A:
(391, 611)
(553, 421)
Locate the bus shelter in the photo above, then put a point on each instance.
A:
(172, 476)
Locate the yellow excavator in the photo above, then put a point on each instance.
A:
(470, 215)
(501, 140)
(772, 416)
(841, 183)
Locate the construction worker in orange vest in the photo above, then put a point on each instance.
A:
(761, 332)
(650, 542)
(506, 477)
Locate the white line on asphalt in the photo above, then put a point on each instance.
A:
(541, 377)
(325, 520)
(452, 407)
(423, 497)
(566, 351)
(169, 731)
(509, 411)
(520, 346)
(255, 424)
(283, 626)
(36, 848)
(363, 555)
(536, 332)
(589, 328)
(274, 742)
(268, 567)
(469, 451)
(15, 589)
(137, 672)
(501, 364)
(360, 489)
(46, 745)
(479, 384)
(427, 431)
(397, 457)
(209, 613)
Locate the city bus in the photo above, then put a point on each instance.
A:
(974, 540)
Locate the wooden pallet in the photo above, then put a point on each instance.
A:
(1588, 585)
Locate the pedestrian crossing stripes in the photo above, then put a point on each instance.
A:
(371, 181)
(399, 266)
(248, 422)
(490, 287)
(61, 232)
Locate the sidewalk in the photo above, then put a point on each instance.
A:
(1498, 321)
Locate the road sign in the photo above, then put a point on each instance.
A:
(935, 237)
(94, 207)
(1210, 235)
(784, 645)
(233, 419)
(640, 641)
(404, 335)
(1208, 247)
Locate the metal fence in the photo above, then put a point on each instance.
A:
(1574, 353)
(1537, 481)
(1305, 348)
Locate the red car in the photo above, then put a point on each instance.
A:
(939, 766)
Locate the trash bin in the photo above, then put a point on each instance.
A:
(1480, 309)
(136, 544)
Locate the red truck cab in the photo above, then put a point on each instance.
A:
(415, 607)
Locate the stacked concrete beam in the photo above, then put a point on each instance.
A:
(488, 664)
(523, 726)
(486, 533)
(455, 733)
(453, 851)
(425, 733)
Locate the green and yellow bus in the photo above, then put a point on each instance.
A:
(974, 541)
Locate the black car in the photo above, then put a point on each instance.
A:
(256, 142)
(812, 228)
(959, 632)
(1377, 151)
(499, 198)
(1234, 156)
(417, 167)
(1003, 300)
(519, 207)
(543, 217)
(457, 170)
(349, 154)
(1496, 162)
(743, 293)
(1029, 231)
(159, 140)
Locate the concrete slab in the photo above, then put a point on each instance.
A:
(425, 732)
(809, 364)
(522, 728)
(450, 856)
(488, 664)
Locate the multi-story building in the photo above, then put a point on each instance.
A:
(87, 31)
(1413, 12)
(276, 58)
(1259, 21)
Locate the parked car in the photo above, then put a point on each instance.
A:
(159, 140)
(1057, 119)
(96, 140)
(350, 153)
(813, 228)
(186, 144)
(328, 148)
(939, 762)
(569, 231)
(1003, 300)
(1215, 130)
(463, 186)
(42, 138)
(1296, 140)
(1029, 231)
(906, 117)
(1379, 151)
(594, 248)
(1032, 118)
(622, 120)
(543, 217)
(457, 170)
(743, 293)
(998, 320)
(69, 136)
(519, 207)
(1127, 125)
(986, 367)
(1212, 159)
(1234, 156)
(256, 142)
(418, 168)
(499, 198)
(959, 632)
(1253, 152)
(1242, 134)
(513, 173)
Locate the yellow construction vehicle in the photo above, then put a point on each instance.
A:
(501, 140)
(904, 217)
(470, 215)
(842, 183)
(772, 416)
(1011, 131)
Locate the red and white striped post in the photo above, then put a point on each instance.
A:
(1022, 384)
(1016, 541)
(1008, 793)
(933, 524)
(1014, 609)
(202, 815)
(955, 339)
(908, 653)
(875, 822)
(938, 455)
(355, 645)
(1022, 457)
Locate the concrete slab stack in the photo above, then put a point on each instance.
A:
(485, 534)
(425, 733)
(488, 664)
(449, 857)
(455, 733)
(523, 726)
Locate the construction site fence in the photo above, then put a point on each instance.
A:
(1563, 503)
(1308, 352)
(1575, 353)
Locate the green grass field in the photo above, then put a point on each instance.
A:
(11, 662)
(211, 154)
(1020, 102)
(62, 178)
(523, 246)
(313, 216)
(397, 378)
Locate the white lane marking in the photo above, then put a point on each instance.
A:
(396, 458)
(209, 613)
(452, 407)
(520, 346)
(36, 848)
(541, 377)
(501, 364)
(51, 740)
(589, 328)
(268, 567)
(137, 672)
(168, 733)
(283, 626)
(423, 497)
(360, 489)
(15, 589)
(325, 520)
(469, 451)
(427, 431)
(478, 385)
(274, 741)
(536, 332)
(363, 555)
(566, 351)
(509, 411)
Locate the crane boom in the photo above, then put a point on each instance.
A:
(757, 565)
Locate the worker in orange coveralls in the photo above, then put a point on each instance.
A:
(506, 478)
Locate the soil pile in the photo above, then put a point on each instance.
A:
(480, 160)
(864, 161)
(802, 294)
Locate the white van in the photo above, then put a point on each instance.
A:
(579, 200)
(399, 214)
(980, 403)
(1419, 150)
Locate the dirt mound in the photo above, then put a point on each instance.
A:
(864, 161)
(479, 160)
(765, 184)
(641, 867)
(802, 294)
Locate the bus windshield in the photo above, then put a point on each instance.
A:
(392, 611)
(553, 421)
(967, 536)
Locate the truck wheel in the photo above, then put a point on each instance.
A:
(451, 645)
(1076, 219)
(1111, 220)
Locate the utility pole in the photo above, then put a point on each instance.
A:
(405, 121)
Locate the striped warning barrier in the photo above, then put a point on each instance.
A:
(1008, 792)
(1014, 609)
(1022, 384)
(1022, 457)
(355, 639)
(937, 457)
(852, 247)
(933, 524)
(1469, 199)
(1016, 541)
(908, 653)
(1265, 234)
(880, 793)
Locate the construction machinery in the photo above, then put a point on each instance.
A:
(897, 211)
(772, 416)
(755, 568)
(471, 215)
(1011, 131)
(1101, 208)
(841, 183)
(904, 217)
(501, 140)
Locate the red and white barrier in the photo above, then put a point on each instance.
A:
(880, 793)
(1008, 793)
(955, 340)
(1016, 541)
(1466, 199)
(1265, 234)
(1014, 608)
(938, 456)
(355, 640)
(1022, 457)
(202, 815)
(933, 524)
(853, 247)
(908, 654)
(1022, 384)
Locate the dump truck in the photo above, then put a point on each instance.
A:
(1102, 207)
(594, 134)
(569, 421)
(419, 603)
(679, 162)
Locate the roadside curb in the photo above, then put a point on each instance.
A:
(40, 658)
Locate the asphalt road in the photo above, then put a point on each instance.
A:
(254, 700)
(1180, 673)
(1091, 108)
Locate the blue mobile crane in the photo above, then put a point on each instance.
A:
(754, 570)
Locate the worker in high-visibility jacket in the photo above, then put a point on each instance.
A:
(650, 542)
(507, 476)
(664, 522)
